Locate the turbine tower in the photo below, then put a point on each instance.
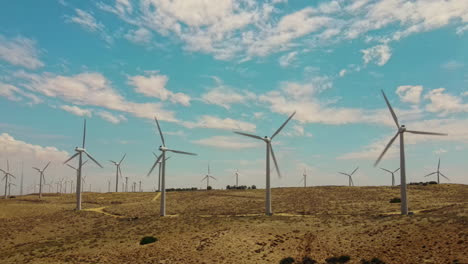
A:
(118, 171)
(126, 184)
(269, 150)
(9, 188)
(159, 174)
(438, 173)
(207, 178)
(350, 176)
(162, 157)
(237, 177)
(6, 176)
(393, 174)
(400, 132)
(304, 178)
(22, 176)
(41, 178)
(79, 153)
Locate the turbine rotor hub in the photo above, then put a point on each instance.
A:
(79, 149)
(402, 129)
(267, 139)
(162, 148)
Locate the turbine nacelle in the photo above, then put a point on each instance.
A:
(162, 148)
(402, 129)
(77, 149)
(267, 139)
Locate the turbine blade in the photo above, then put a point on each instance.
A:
(438, 165)
(426, 133)
(155, 155)
(154, 165)
(95, 161)
(71, 166)
(8, 165)
(386, 148)
(76, 154)
(354, 170)
(391, 110)
(396, 170)
(111, 161)
(182, 152)
(84, 133)
(274, 160)
(430, 174)
(203, 178)
(36, 169)
(167, 158)
(444, 176)
(46, 167)
(3, 171)
(284, 124)
(122, 158)
(208, 168)
(120, 172)
(386, 170)
(248, 135)
(160, 133)
(213, 178)
(346, 174)
(84, 162)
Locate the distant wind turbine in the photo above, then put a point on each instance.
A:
(400, 132)
(350, 176)
(6, 176)
(269, 150)
(118, 171)
(79, 153)
(162, 157)
(41, 178)
(304, 178)
(9, 188)
(207, 177)
(237, 177)
(393, 174)
(438, 173)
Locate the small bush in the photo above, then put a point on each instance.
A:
(148, 240)
(287, 260)
(307, 260)
(336, 260)
(254, 187)
(372, 261)
(209, 188)
(395, 200)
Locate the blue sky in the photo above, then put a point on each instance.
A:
(208, 69)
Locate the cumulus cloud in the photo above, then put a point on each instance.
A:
(379, 54)
(87, 21)
(140, 35)
(226, 142)
(20, 51)
(288, 59)
(207, 121)
(14, 93)
(154, 85)
(444, 103)
(225, 96)
(76, 110)
(343, 73)
(114, 119)
(410, 94)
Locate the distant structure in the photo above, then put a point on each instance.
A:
(400, 132)
(41, 178)
(393, 174)
(269, 150)
(350, 176)
(237, 177)
(118, 171)
(304, 178)
(6, 176)
(207, 178)
(438, 173)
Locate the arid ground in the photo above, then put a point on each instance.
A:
(228, 226)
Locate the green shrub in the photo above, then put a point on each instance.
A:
(307, 260)
(336, 260)
(395, 200)
(148, 240)
(287, 260)
(209, 188)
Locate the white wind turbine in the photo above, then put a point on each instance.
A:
(118, 171)
(207, 177)
(162, 157)
(41, 178)
(269, 150)
(393, 174)
(304, 178)
(79, 153)
(350, 176)
(237, 177)
(6, 176)
(400, 132)
(438, 173)
(9, 188)
(159, 173)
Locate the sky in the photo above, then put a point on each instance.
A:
(208, 68)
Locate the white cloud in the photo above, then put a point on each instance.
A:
(207, 121)
(77, 89)
(76, 110)
(14, 93)
(379, 54)
(227, 142)
(444, 103)
(20, 51)
(114, 119)
(343, 73)
(154, 85)
(461, 29)
(225, 96)
(409, 93)
(439, 151)
(140, 35)
(87, 21)
(452, 65)
(288, 59)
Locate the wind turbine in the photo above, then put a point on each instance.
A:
(350, 176)
(41, 178)
(269, 150)
(304, 178)
(6, 175)
(393, 174)
(159, 174)
(118, 171)
(126, 184)
(79, 153)
(207, 178)
(9, 188)
(237, 177)
(400, 132)
(438, 173)
(109, 185)
(162, 157)
(22, 176)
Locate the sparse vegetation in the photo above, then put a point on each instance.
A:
(372, 261)
(338, 260)
(395, 200)
(148, 240)
(287, 260)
